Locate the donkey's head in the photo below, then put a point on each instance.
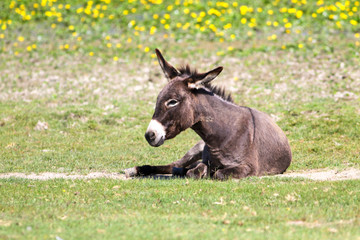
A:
(176, 104)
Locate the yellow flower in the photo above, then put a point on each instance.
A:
(300, 45)
(314, 15)
(107, 38)
(170, 7)
(118, 45)
(299, 14)
(268, 23)
(259, 9)
(343, 16)
(243, 20)
(91, 53)
(291, 10)
(66, 46)
(2, 36)
(230, 48)
(357, 35)
(275, 24)
(125, 12)
(227, 26)
(283, 47)
(167, 16)
(243, 9)
(129, 40)
(79, 39)
(186, 10)
(288, 25)
(152, 30)
(220, 53)
(108, 45)
(155, 16)
(21, 39)
(353, 22)
(270, 12)
(153, 55)
(115, 58)
(146, 49)
(357, 43)
(28, 48)
(214, 11)
(67, 6)
(249, 33)
(232, 36)
(167, 26)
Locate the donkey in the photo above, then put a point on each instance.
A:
(237, 141)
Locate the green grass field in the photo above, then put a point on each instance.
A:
(87, 71)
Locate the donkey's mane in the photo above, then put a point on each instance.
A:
(192, 73)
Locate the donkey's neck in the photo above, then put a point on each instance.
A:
(217, 119)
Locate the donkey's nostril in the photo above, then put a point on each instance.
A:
(150, 136)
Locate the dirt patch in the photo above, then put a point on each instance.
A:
(325, 175)
(317, 175)
(317, 224)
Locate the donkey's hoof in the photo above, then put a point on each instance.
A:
(179, 172)
(130, 172)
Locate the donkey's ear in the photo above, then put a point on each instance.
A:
(169, 71)
(203, 78)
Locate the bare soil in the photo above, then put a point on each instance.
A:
(317, 175)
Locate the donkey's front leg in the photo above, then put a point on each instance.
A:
(177, 167)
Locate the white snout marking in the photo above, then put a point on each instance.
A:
(159, 130)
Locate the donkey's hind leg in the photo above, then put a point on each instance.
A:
(240, 171)
(177, 167)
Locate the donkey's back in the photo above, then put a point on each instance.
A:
(272, 146)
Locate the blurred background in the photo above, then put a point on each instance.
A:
(115, 29)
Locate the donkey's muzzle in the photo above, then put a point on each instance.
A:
(155, 134)
(152, 139)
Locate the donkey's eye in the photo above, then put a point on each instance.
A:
(171, 103)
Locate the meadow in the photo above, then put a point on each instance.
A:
(78, 85)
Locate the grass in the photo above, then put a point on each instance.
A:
(97, 100)
(252, 208)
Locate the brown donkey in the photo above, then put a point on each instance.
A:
(236, 141)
